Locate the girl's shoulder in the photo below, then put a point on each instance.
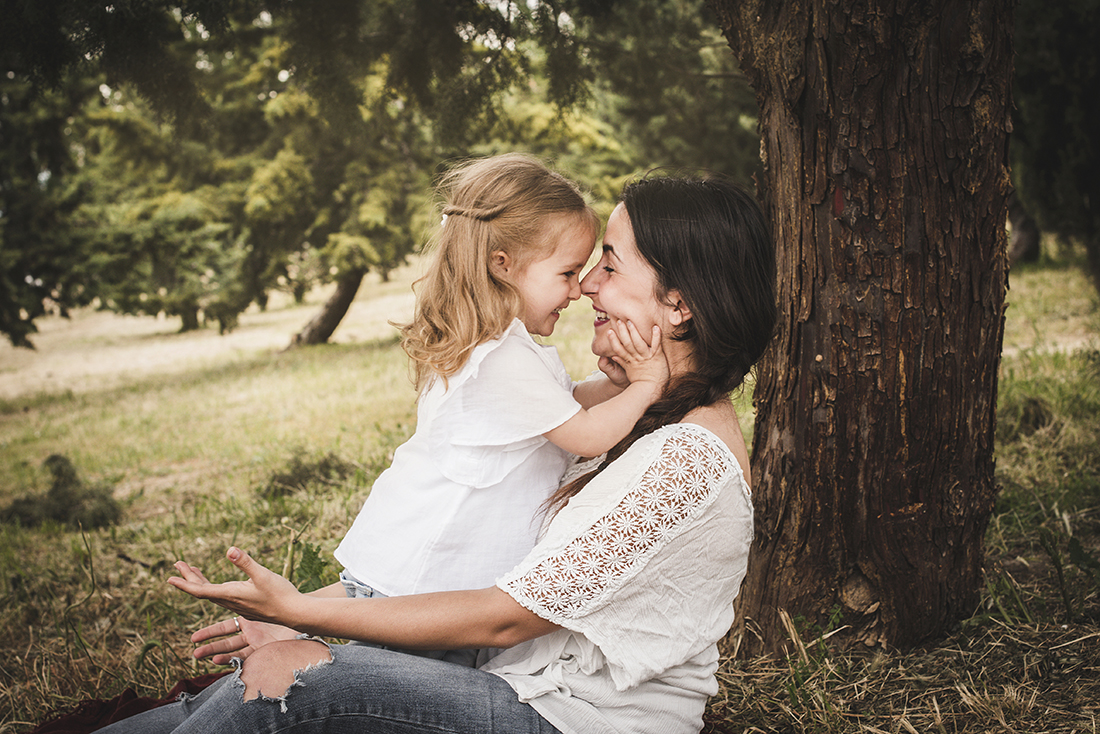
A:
(513, 346)
(516, 351)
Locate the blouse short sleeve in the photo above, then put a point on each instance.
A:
(646, 560)
(492, 417)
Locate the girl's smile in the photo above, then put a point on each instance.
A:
(549, 285)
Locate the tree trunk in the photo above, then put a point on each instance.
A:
(884, 146)
(1023, 243)
(189, 318)
(321, 326)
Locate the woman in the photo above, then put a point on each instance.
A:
(611, 623)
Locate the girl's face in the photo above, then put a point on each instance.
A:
(623, 287)
(550, 284)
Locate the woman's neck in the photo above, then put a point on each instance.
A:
(681, 358)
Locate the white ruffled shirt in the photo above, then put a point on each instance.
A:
(640, 569)
(458, 506)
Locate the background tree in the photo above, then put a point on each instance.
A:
(666, 81)
(43, 254)
(219, 165)
(1055, 149)
(885, 176)
(193, 62)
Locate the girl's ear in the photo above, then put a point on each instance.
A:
(680, 312)
(501, 262)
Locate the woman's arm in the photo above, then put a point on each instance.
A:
(444, 620)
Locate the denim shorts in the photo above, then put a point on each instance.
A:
(356, 589)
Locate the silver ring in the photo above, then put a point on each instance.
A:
(237, 621)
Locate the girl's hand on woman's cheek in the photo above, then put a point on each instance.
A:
(641, 360)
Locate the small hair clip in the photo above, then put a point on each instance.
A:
(443, 221)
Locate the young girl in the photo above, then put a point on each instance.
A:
(498, 416)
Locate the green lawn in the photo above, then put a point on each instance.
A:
(189, 430)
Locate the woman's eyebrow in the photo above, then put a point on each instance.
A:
(610, 250)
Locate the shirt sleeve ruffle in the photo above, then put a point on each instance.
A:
(646, 560)
(493, 414)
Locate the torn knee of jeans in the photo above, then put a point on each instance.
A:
(283, 678)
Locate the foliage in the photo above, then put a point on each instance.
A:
(667, 83)
(236, 150)
(69, 501)
(43, 248)
(314, 569)
(1054, 148)
(208, 171)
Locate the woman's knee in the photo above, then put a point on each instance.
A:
(272, 669)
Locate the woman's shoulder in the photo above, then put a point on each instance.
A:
(720, 421)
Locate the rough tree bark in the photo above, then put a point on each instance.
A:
(321, 326)
(884, 144)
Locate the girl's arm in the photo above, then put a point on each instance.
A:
(594, 430)
(444, 620)
(596, 390)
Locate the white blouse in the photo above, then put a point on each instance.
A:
(458, 505)
(640, 569)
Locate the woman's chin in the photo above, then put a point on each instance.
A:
(600, 345)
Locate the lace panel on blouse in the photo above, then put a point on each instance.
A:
(674, 489)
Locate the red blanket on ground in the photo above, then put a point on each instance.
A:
(92, 715)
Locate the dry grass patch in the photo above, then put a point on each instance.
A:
(987, 678)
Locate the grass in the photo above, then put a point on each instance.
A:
(193, 432)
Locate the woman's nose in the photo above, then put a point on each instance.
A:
(589, 281)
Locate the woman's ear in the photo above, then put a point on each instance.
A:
(500, 262)
(680, 312)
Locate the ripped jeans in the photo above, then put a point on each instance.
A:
(363, 690)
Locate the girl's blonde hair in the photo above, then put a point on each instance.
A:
(507, 204)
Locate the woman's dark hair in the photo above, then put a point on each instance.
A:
(707, 239)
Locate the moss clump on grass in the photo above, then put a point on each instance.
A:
(302, 471)
(69, 501)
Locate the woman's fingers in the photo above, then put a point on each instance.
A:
(189, 572)
(243, 561)
(264, 596)
(218, 629)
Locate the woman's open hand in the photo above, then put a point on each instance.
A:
(265, 596)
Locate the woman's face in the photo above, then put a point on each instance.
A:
(623, 287)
